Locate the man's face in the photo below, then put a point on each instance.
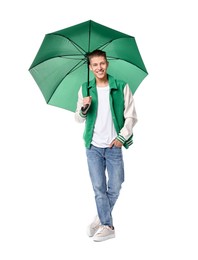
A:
(99, 67)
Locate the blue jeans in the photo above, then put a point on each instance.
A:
(106, 169)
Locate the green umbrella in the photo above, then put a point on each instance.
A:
(60, 66)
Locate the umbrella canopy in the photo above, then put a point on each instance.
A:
(60, 66)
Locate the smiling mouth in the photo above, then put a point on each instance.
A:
(100, 72)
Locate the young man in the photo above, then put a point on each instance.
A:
(107, 107)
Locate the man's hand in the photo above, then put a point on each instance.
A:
(116, 143)
(86, 101)
(86, 105)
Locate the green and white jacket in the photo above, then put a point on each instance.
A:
(122, 110)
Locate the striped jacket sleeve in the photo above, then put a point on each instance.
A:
(130, 117)
(79, 117)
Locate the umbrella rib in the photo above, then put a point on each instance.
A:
(58, 56)
(114, 58)
(81, 50)
(71, 70)
(107, 43)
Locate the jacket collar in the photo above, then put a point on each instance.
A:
(111, 80)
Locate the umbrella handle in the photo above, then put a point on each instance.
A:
(85, 109)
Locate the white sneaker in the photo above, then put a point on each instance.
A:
(104, 233)
(93, 227)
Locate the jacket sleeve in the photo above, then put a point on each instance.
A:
(79, 117)
(130, 116)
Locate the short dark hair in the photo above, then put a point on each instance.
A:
(96, 53)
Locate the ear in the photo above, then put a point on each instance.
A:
(90, 67)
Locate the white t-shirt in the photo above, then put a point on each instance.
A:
(104, 131)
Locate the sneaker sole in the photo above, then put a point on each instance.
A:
(100, 239)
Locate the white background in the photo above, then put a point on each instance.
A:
(46, 199)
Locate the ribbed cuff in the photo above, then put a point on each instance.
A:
(121, 139)
(82, 115)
